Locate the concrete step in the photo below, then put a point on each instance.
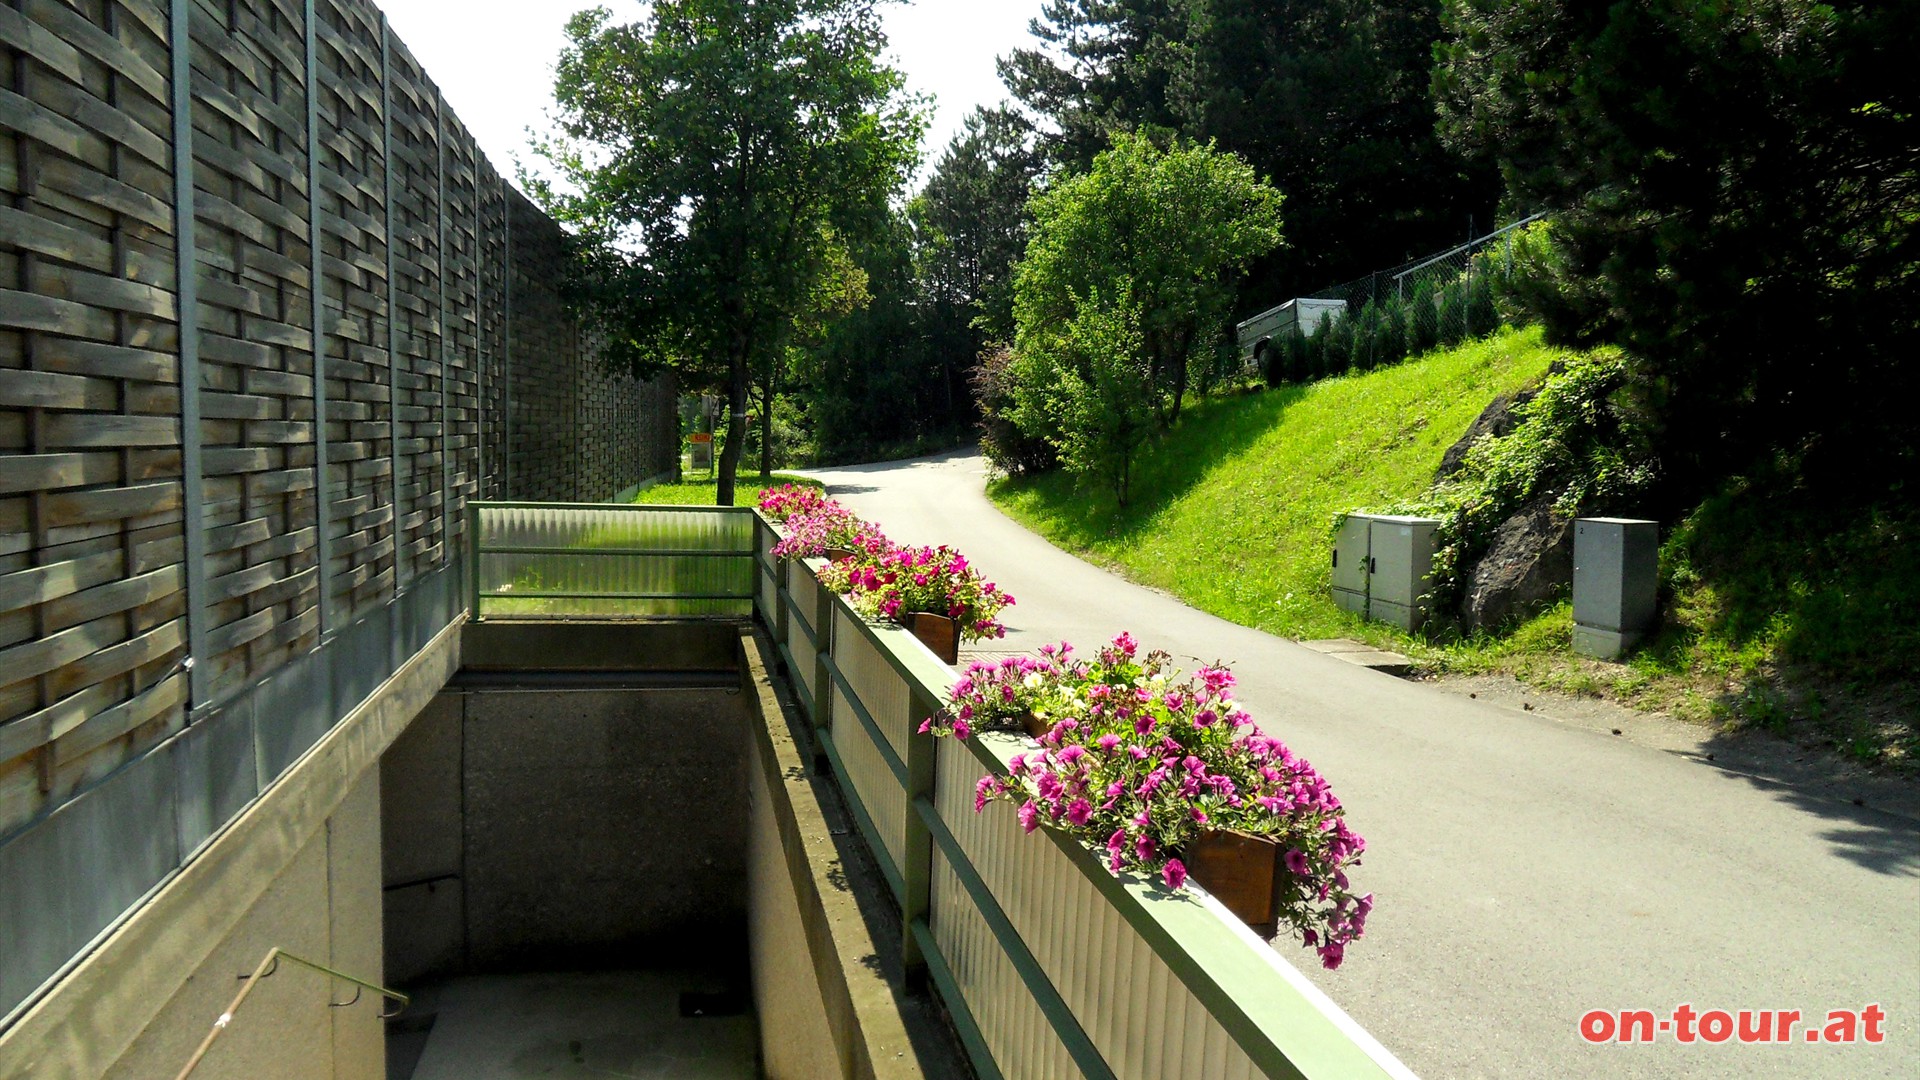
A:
(1360, 654)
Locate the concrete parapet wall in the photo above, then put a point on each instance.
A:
(829, 981)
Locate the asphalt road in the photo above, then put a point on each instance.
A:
(1526, 870)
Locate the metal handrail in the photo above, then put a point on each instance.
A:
(1495, 235)
(268, 965)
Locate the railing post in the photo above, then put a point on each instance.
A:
(473, 560)
(316, 226)
(187, 269)
(823, 656)
(916, 858)
(782, 581)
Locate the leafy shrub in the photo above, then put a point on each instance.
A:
(1088, 388)
(1531, 279)
(1366, 338)
(1483, 316)
(1300, 366)
(1338, 348)
(1319, 365)
(1450, 315)
(1006, 446)
(1393, 332)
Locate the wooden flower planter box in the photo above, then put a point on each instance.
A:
(1244, 872)
(938, 633)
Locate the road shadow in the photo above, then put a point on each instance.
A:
(1870, 819)
(943, 457)
(1816, 579)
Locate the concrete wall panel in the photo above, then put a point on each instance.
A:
(603, 827)
(426, 930)
(285, 1029)
(353, 889)
(421, 810)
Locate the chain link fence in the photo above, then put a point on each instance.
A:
(1430, 303)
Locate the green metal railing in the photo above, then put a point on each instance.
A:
(545, 561)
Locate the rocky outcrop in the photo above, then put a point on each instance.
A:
(1496, 420)
(1528, 565)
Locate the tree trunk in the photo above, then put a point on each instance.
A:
(737, 376)
(1182, 364)
(766, 420)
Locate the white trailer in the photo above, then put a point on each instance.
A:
(1269, 325)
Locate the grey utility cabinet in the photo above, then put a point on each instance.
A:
(1616, 580)
(1351, 550)
(1383, 568)
(1402, 571)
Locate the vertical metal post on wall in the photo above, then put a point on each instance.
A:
(822, 659)
(323, 541)
(392, 298)
(473, 560)
(193, 494)
(397, 637)
(482, 381)
(446, 417)
(506, 346)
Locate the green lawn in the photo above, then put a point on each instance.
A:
(701, 492)
(1232, 511)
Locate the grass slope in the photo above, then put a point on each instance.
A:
(1232, 510)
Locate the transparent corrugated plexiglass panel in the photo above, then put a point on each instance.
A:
(559, 561)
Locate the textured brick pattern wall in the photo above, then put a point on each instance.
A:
(133, 538)
(579, 433)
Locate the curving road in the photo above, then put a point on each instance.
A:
(1527, 870)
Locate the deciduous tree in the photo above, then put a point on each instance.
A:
(708, 158)
(1169, 229)
(1128, 279)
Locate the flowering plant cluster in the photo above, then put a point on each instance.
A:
(998, 696)
(903, 580)
(791, 500)
(1139, 763)
(831, 525)
(883, 580)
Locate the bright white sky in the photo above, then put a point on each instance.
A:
(494, 58)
